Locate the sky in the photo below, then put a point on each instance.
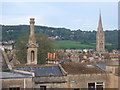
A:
(71, 15)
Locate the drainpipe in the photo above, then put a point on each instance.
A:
(24, 83)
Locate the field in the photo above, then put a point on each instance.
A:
(67, 44)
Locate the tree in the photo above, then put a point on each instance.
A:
(45, 45)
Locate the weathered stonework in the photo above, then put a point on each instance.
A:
(32, 45)
(17, 82)
(81, 81)
(100, 43)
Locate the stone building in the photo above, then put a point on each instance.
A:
(100, 39)
(32, 45)
(85, 76)
(71, 75)
(113, 68)
(15, 81)
(47, 76)
(11, 79)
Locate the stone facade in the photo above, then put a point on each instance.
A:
(17, 83)
(32, 45)
(81, 81)
(51, 82)
(100, 43)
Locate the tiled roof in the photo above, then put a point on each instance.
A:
(78, 68)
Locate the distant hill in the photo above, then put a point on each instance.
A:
(83, 37)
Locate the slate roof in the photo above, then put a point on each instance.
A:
(78, 68)
(102, 65)
(44, 70)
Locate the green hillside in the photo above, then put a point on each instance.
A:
(68, 44)
(65, 38)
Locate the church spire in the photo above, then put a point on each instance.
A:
(100, 22)
(100, 42)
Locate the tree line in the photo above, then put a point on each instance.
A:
(84, 37)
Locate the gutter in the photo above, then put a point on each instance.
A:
(25, 72)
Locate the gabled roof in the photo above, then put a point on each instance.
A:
(44, 70)
(78, 68)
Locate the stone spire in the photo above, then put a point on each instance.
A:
(100, 43)
(32, 45)
(100, 23)
(32, 35)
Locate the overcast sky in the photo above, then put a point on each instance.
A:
(72, 15)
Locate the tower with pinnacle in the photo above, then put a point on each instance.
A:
(32, 45)
(100, 39)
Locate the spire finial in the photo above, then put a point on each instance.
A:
(100, 11)
(100, 20)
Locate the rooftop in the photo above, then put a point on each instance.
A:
(44, 70)
(78, 68)
(111, 55)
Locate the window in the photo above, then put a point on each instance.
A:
(99, 85)
(95, 86)
(91, 86)
(14, 88)
(32, 56)
(42, 87)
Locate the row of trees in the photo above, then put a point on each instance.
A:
(84, 37)
(9, 32)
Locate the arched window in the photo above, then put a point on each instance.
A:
(32, 56)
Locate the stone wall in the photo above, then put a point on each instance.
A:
(69, 81)
(50, 79)
(81, 81)
(17, 82)
(51, 82)
(113, 81)
(52, 85)
(72, 81)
